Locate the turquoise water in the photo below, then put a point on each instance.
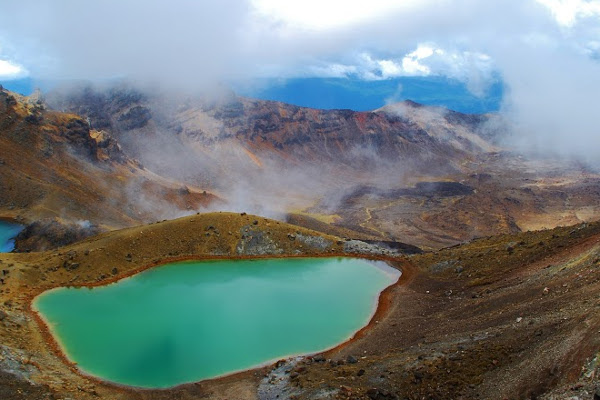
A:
(7, 232)
(189, 321)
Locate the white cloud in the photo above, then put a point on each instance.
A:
(334, 70)
(181, 41)
(475, 69)
(567, 12)
(390, 68)
(328, 14)
(423, 51)
(411, 63)
(542, 49)
(10, 70)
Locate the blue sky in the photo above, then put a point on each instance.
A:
(545, 52)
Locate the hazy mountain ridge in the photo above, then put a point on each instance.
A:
(273, 158)
(360, 171)
(406, 131)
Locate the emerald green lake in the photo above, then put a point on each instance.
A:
(7, 233)
(188, 321)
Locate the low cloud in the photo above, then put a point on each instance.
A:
(567, 13)
(552, 103)
(475, 69)
(545, 51)
(9, 70)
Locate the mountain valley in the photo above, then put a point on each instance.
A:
(499, 249)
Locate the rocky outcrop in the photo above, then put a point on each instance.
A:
(314, 242)
(258, 241)
(360, 247)
(254, 242)
(119, 108)
(77, 133)
(47, 234)
(32, 124)
(398, 247)
(108, 149)
(135, 117)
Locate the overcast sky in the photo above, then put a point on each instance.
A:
(545, 51)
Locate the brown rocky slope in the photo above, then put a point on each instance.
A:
(53, 165)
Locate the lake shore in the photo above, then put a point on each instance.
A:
(381, 307)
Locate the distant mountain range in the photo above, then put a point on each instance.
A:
(423, 175)
(360, 95)
(344, 93)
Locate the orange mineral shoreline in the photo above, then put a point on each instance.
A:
(383, 305)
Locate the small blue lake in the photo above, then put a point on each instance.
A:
(7, 233)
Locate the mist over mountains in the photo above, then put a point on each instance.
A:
(162, 154)
(233, 145)
(543, 52)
